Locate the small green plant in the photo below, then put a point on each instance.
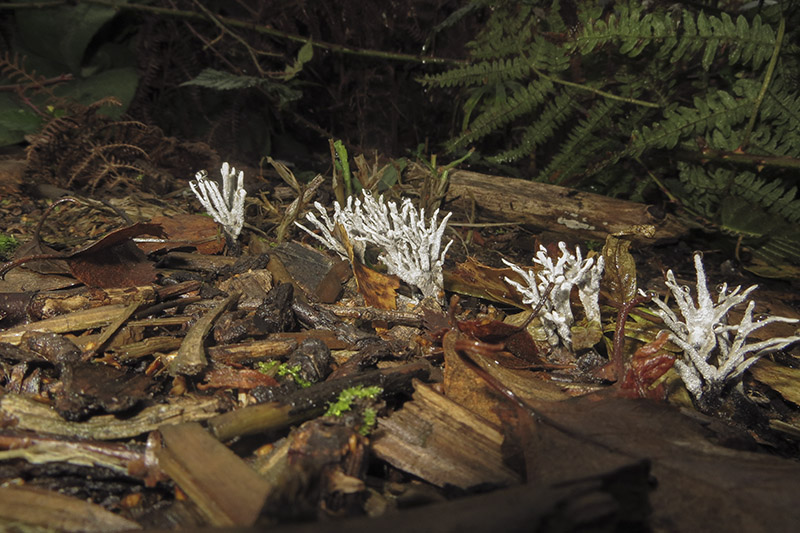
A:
(268, 367)
(293, 372)
(8, 243)
(346, 400)
(370, 420)
(276, 368)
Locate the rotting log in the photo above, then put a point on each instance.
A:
(579, 214)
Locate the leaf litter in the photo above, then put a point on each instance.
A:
(194, 389)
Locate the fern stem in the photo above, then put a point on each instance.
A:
(598, 92)
(234, 23)
(707, 154)
(767, 79)
(672, 198)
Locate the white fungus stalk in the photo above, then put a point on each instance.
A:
(715, 353)
(570, 270)
(411, 245)
(226, 208)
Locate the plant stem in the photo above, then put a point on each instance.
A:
(234, 23)
(707, 154)
(767, 78)
(598, 92)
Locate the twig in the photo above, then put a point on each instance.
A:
(16, 87)
(237, 37)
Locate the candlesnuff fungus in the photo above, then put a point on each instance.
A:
(411, 246)
(226, 208)
(714, 352)
(571, 270)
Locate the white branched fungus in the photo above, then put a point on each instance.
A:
(226, 208)
(411, 246)
(714, 352)
(570, 270)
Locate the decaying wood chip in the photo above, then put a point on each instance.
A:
(441, 442)
(197, 262)
(390, 316)
(148, 346)
(316, 273)
(129, 459)
(22, 412)
(191, 358)
(225, 489)
(253, 285)
(75, 321)
(112, 328)
(57, 512)
(55, 303)
(252, 351)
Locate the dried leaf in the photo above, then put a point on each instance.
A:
(475, 279)
(198, 231)
(783, 380)
(648, 364)
(517, 341)
(378, 289)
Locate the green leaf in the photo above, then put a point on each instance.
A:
(62, 34)
(303, 56)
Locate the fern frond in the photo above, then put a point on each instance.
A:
(521, 102)
(505, 34)
(480, 74)
(718, 109)
(584, 144)
(772, 195)
(749, 43)
(552, 116)
(782, 104)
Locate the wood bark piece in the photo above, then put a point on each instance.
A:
(125, 459)
(252, 351)
(191, 358)
(581, 215)
(22, 412)
(55, 303)
(75, 321)
(57, 512)
(442, 443)
(225, 489)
